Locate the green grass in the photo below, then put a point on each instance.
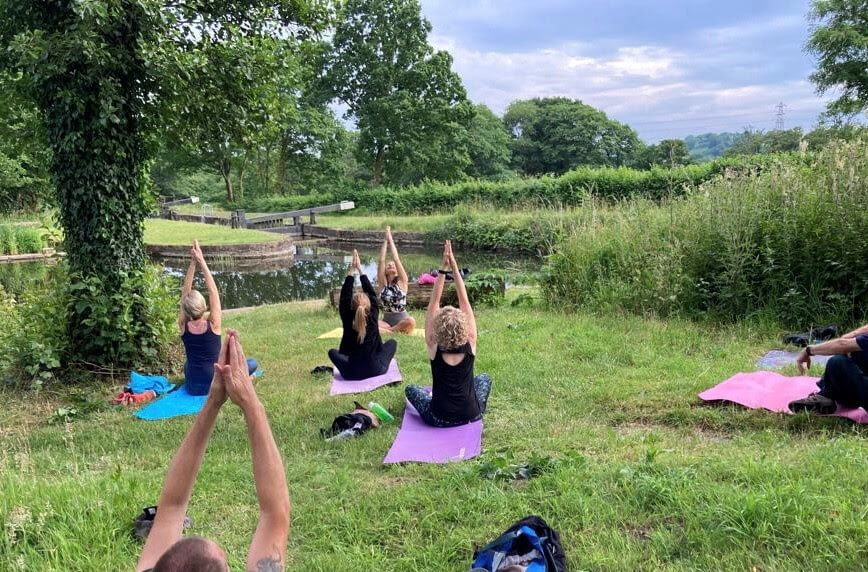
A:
(649, 478)
(159, 231)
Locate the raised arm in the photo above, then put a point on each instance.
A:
(463, 300)
(434, 304)
(178, 484)
(381, 264)
(403, 279)
(268, 548)
(185, 289)
(216, 310)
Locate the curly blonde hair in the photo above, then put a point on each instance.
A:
(450, 328)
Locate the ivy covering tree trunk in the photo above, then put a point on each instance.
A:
(109, 77)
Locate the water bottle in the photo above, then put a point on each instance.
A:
(351, 432)
(380, 411)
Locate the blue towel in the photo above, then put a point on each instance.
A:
(173, 404)
(140, 383)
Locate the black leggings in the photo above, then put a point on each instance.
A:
(362, 367)
(845, 382)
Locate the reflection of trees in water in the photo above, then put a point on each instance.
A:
(311, 274)
(316, 270)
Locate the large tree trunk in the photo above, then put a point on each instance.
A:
(378, 167)
(225, 172)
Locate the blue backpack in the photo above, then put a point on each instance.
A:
(528, 534)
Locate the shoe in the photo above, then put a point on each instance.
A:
(322, 369)
(814, 403)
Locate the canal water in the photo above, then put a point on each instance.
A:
(311, 273)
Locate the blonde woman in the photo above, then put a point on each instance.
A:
(200, 330)
(457, 396)
(362, 353)
(393, 279)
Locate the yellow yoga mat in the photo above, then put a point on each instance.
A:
(338, 332)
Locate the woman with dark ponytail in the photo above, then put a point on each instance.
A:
(362, 353)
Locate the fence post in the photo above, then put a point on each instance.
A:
(238, 220)
(312, 217)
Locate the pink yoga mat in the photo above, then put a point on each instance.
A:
(419, 442)
(341, 386)
(772, 391)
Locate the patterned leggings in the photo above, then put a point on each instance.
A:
(421, 400)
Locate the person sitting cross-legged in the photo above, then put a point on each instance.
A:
(845, 379)
(200, 329)
(165, 550)
(394, 281)
(457, 396)
(362, 353)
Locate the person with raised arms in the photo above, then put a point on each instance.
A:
(457, 396)
(393, 279)
(200, 329)
(362, 353)
(165, 550)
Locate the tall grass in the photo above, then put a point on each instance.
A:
(790, 242)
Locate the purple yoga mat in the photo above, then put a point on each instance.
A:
(776, 359)
(341, 386)
(772, 391)
(419, 442)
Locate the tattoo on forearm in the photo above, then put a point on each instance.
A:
(269, 564)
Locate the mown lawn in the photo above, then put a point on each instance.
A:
(160, 231)
(648, 478)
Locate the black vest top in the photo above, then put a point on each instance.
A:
(453, 396)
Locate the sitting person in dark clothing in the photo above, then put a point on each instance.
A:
(457, 397)
(362, 353)
(845, 380)
(200, 329)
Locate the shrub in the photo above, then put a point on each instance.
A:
(7, 240)
(36, 332)
(486, 288)
(28, 239)
(787, 241)
(570, 189)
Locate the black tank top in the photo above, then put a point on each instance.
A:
(453, 396)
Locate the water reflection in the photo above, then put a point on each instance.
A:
(311, 273)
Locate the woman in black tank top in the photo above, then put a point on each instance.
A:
(457, 396)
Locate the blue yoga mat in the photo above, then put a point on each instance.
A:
(178, 403)
(173, 404)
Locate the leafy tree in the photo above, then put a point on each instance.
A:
(839, 40)
(709, 145)
(24, 180)
(407, 102)
(109, 76)
(667, 153)
(556, 134)
(487, 143)
(755, 142)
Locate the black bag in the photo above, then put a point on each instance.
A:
(360, 422)
(529, 533)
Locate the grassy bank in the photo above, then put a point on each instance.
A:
(647, 477)
(159, 231)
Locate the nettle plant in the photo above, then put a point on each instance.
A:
(109, 77)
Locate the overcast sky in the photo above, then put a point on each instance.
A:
(669, 68)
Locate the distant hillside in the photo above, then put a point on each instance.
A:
(710, 145)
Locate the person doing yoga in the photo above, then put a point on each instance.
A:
(845, 379)
(200, 330)
(165, 550)
(362, 353)
(457, 397)
(394, 281)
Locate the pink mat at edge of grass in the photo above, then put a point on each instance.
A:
(772, 391)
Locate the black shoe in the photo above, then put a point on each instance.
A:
(322, 369)
(814, 403)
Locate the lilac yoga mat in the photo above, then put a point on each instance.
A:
(776, 359)
(341, 386)
(418, 441)
(772, 391)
